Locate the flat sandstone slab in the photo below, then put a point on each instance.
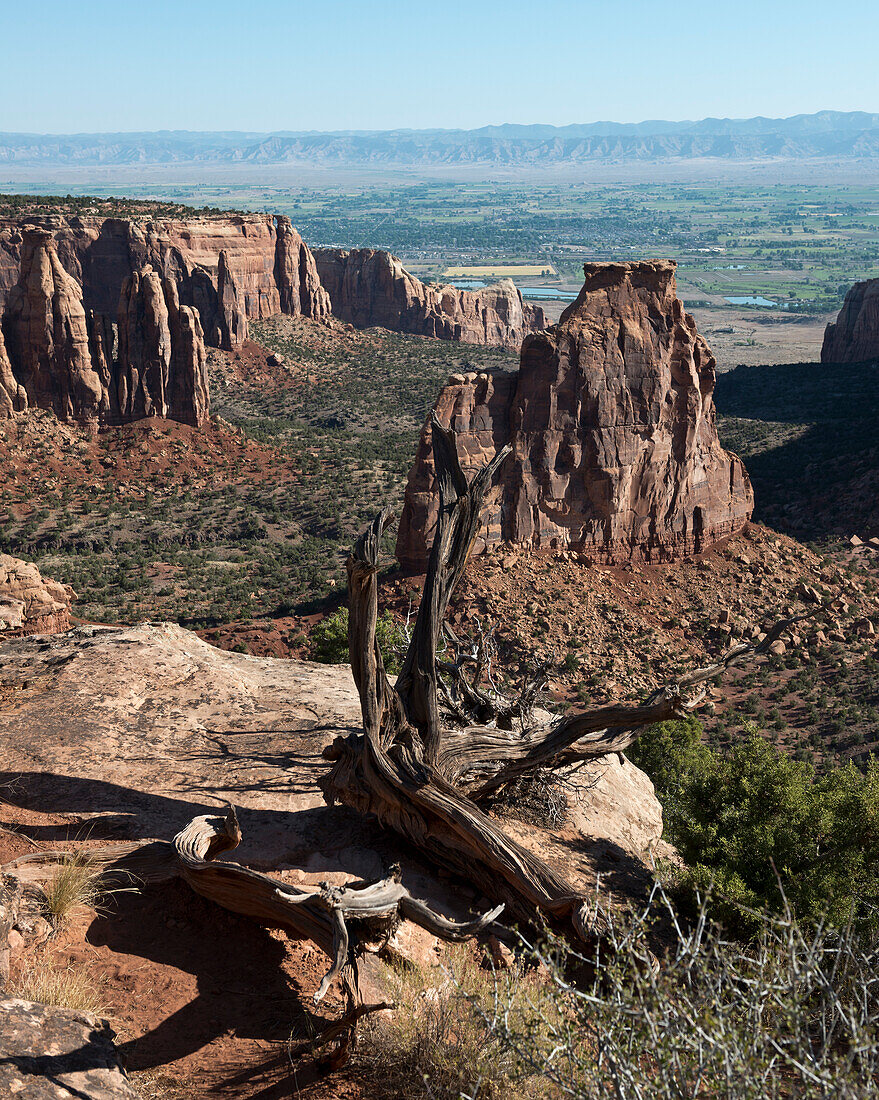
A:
(154, 725)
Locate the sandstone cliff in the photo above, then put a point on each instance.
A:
(161, 369)
(854, 336)
(265, 269)
(61, 358)
(46, 334)
(612, 425)
(13, 397)
(296, 275)
(368, 287)
(240, 267)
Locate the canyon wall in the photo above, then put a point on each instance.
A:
(854, 336)
(47, 338)
(232, 269)
(160, 369)
(371, 288)
(105, 319)
(611, 420)
(237, 268)
(57, 355)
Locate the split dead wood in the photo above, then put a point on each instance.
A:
(344, 921)
(429, 780)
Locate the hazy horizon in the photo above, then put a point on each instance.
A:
(345, 66)
(509, 124)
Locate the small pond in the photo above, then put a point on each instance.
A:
(750, 300)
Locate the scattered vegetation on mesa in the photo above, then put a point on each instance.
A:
(249, 519)
(15, 206)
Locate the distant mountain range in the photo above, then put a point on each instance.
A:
(825, 134)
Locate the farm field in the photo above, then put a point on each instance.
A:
(798, 244)
(498, 271)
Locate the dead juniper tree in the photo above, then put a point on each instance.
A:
(430, 777)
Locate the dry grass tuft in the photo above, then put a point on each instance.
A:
(438, 1043)
(48, 984)
(75, 883)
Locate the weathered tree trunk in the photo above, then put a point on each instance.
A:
(426, 780)
(343, 921)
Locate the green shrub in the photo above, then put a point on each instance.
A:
(794, 1014)
(328, 641)
(752, 820)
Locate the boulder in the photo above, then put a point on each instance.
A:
(53, 1053)
(29, 602)
(612, 426)
(232, 320)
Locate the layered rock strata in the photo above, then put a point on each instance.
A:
(242, 267)
(296, 275)
(612, 426)
(854, 336)
(46, 334)
(371, 288)
(161, 367)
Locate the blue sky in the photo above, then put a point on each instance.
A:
(269, 65)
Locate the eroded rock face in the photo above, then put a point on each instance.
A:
(372, 288)
(854, 336)
(231, 317)
(122, 703)
(188, 393)
(29, 602)
(296, 275)
(161, 368)
(46, 334)
(612, 425)
(243, 267)
(144, 364)
(52, 1053)
(13, 398)
(268, 267)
